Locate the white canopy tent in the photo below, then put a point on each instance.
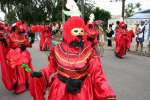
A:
(141, 16)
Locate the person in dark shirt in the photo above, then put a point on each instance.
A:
(110, 32)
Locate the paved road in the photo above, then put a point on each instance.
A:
(129, 77)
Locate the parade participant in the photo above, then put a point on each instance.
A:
(95, 36)
(19, 35)
(18, 77)
(121, 40)
(131, 35)
(3, 52)
(92, 32)
(117, 25)
(74, 71)
(45, 36)
(140, 36)
(42, 38)
(109, 34)
(101, 41)
(3, 33)
(45, 39)
(92, 35)
(13, 76)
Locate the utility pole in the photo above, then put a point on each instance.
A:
(63, 15)
(82, 7)
(123, 8)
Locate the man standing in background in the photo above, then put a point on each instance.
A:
(140, 36)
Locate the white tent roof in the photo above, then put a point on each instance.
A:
(140, 16)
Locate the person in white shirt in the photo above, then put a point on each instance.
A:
(140, 32)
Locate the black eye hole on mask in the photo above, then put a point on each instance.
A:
(82, 31)
(76, 31)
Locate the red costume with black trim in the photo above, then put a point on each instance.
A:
(18, 77)
(121, 40)
(3, 53)
(15, 39)
(14, 76)
(45, 36)
(73, 73)
(3, 31)
(92, 34)
(130, 36)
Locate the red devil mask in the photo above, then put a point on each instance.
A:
(91, 30)
(21, 27)
(73, 28)
(122, 24)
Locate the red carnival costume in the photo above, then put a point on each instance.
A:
(18, 77)
(19, 37)
(74, 71)
(3, 53)
(45, 36)
(3, 42)
(13, 75)
(121, 40)
(130, 36)
(92, 34)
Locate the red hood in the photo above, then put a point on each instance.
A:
(73, 22)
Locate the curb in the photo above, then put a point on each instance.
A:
(145, 53)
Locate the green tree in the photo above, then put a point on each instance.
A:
(56, 15)
(11, 17)
(43, 11)
(131, 8)
(89, 8)
(31, 11)
(101, 14)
